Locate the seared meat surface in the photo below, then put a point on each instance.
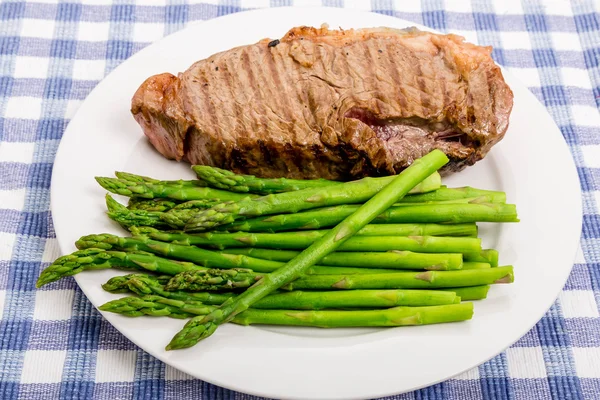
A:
(332, 104)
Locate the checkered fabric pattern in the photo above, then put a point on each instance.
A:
(55, 345)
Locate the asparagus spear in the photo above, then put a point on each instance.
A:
(396, 316)
(391, 259)
(329, 216)
(471, 292)
(155, 306)
(199, 328)
(489, 256)
(302, 240)
(170, 190)
(94, 259)
(214, 279)
(126, 176)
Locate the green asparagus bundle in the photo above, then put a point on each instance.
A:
(216, 280)
(396, 316)
(198, 328)
(330, 216)
(430, 235)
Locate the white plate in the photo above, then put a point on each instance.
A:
(532, 164)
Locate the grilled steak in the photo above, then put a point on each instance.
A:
(330, 103)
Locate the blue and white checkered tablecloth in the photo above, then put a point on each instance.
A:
(55, 345)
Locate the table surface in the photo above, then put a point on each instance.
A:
(53, 342)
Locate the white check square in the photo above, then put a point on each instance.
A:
(51, 251)
(7, 241)
(458, 6)
(31, 67)
(558, 7)
(115, 366)
(575, 77)
(21, 152)
(587, 362)
(515, 40)
(407, 6)
(587, 116)
(43, 366)
(526, 362)
(578, 304)
(154, 3)
(53, 305)
(566, 41)
(23, 107)
(39, 28)
(508, 7)
(93, 31)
